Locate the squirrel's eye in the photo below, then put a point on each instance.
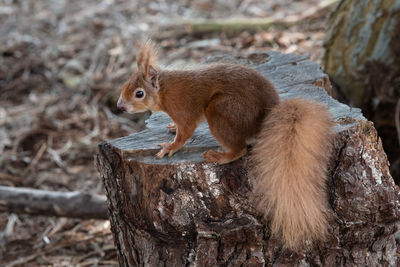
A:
(139, 94)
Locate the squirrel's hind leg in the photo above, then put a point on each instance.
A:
(223, 157)
(226, 127)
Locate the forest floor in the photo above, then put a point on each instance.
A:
(62, 64)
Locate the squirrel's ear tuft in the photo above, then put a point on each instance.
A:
(146, 56)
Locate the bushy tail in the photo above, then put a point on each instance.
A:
(291, 158)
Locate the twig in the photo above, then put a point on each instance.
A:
(12, 219)
(36, 159)
(57, 159)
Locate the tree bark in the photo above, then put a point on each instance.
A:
(363, 57)
(181, 211)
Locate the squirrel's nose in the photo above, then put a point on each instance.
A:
(121, 105)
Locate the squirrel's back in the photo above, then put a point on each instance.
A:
(218, 77)
(195, 88)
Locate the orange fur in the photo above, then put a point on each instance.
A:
(239, 104)
(291, 156)
(147, 56)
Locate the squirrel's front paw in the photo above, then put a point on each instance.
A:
(164, 151)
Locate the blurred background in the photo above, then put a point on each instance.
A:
(62, 64)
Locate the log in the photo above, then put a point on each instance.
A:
(239, 24)
(181, 211)
(51, 203)
(236, 25)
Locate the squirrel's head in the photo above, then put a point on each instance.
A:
(140, 92)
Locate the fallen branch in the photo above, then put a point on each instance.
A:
(235, 25)
(50, 203)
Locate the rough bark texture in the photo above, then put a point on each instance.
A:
(363, 57)
(181, 211)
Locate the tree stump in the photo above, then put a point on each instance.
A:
(181, 211)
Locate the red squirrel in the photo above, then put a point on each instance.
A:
(293, 137)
